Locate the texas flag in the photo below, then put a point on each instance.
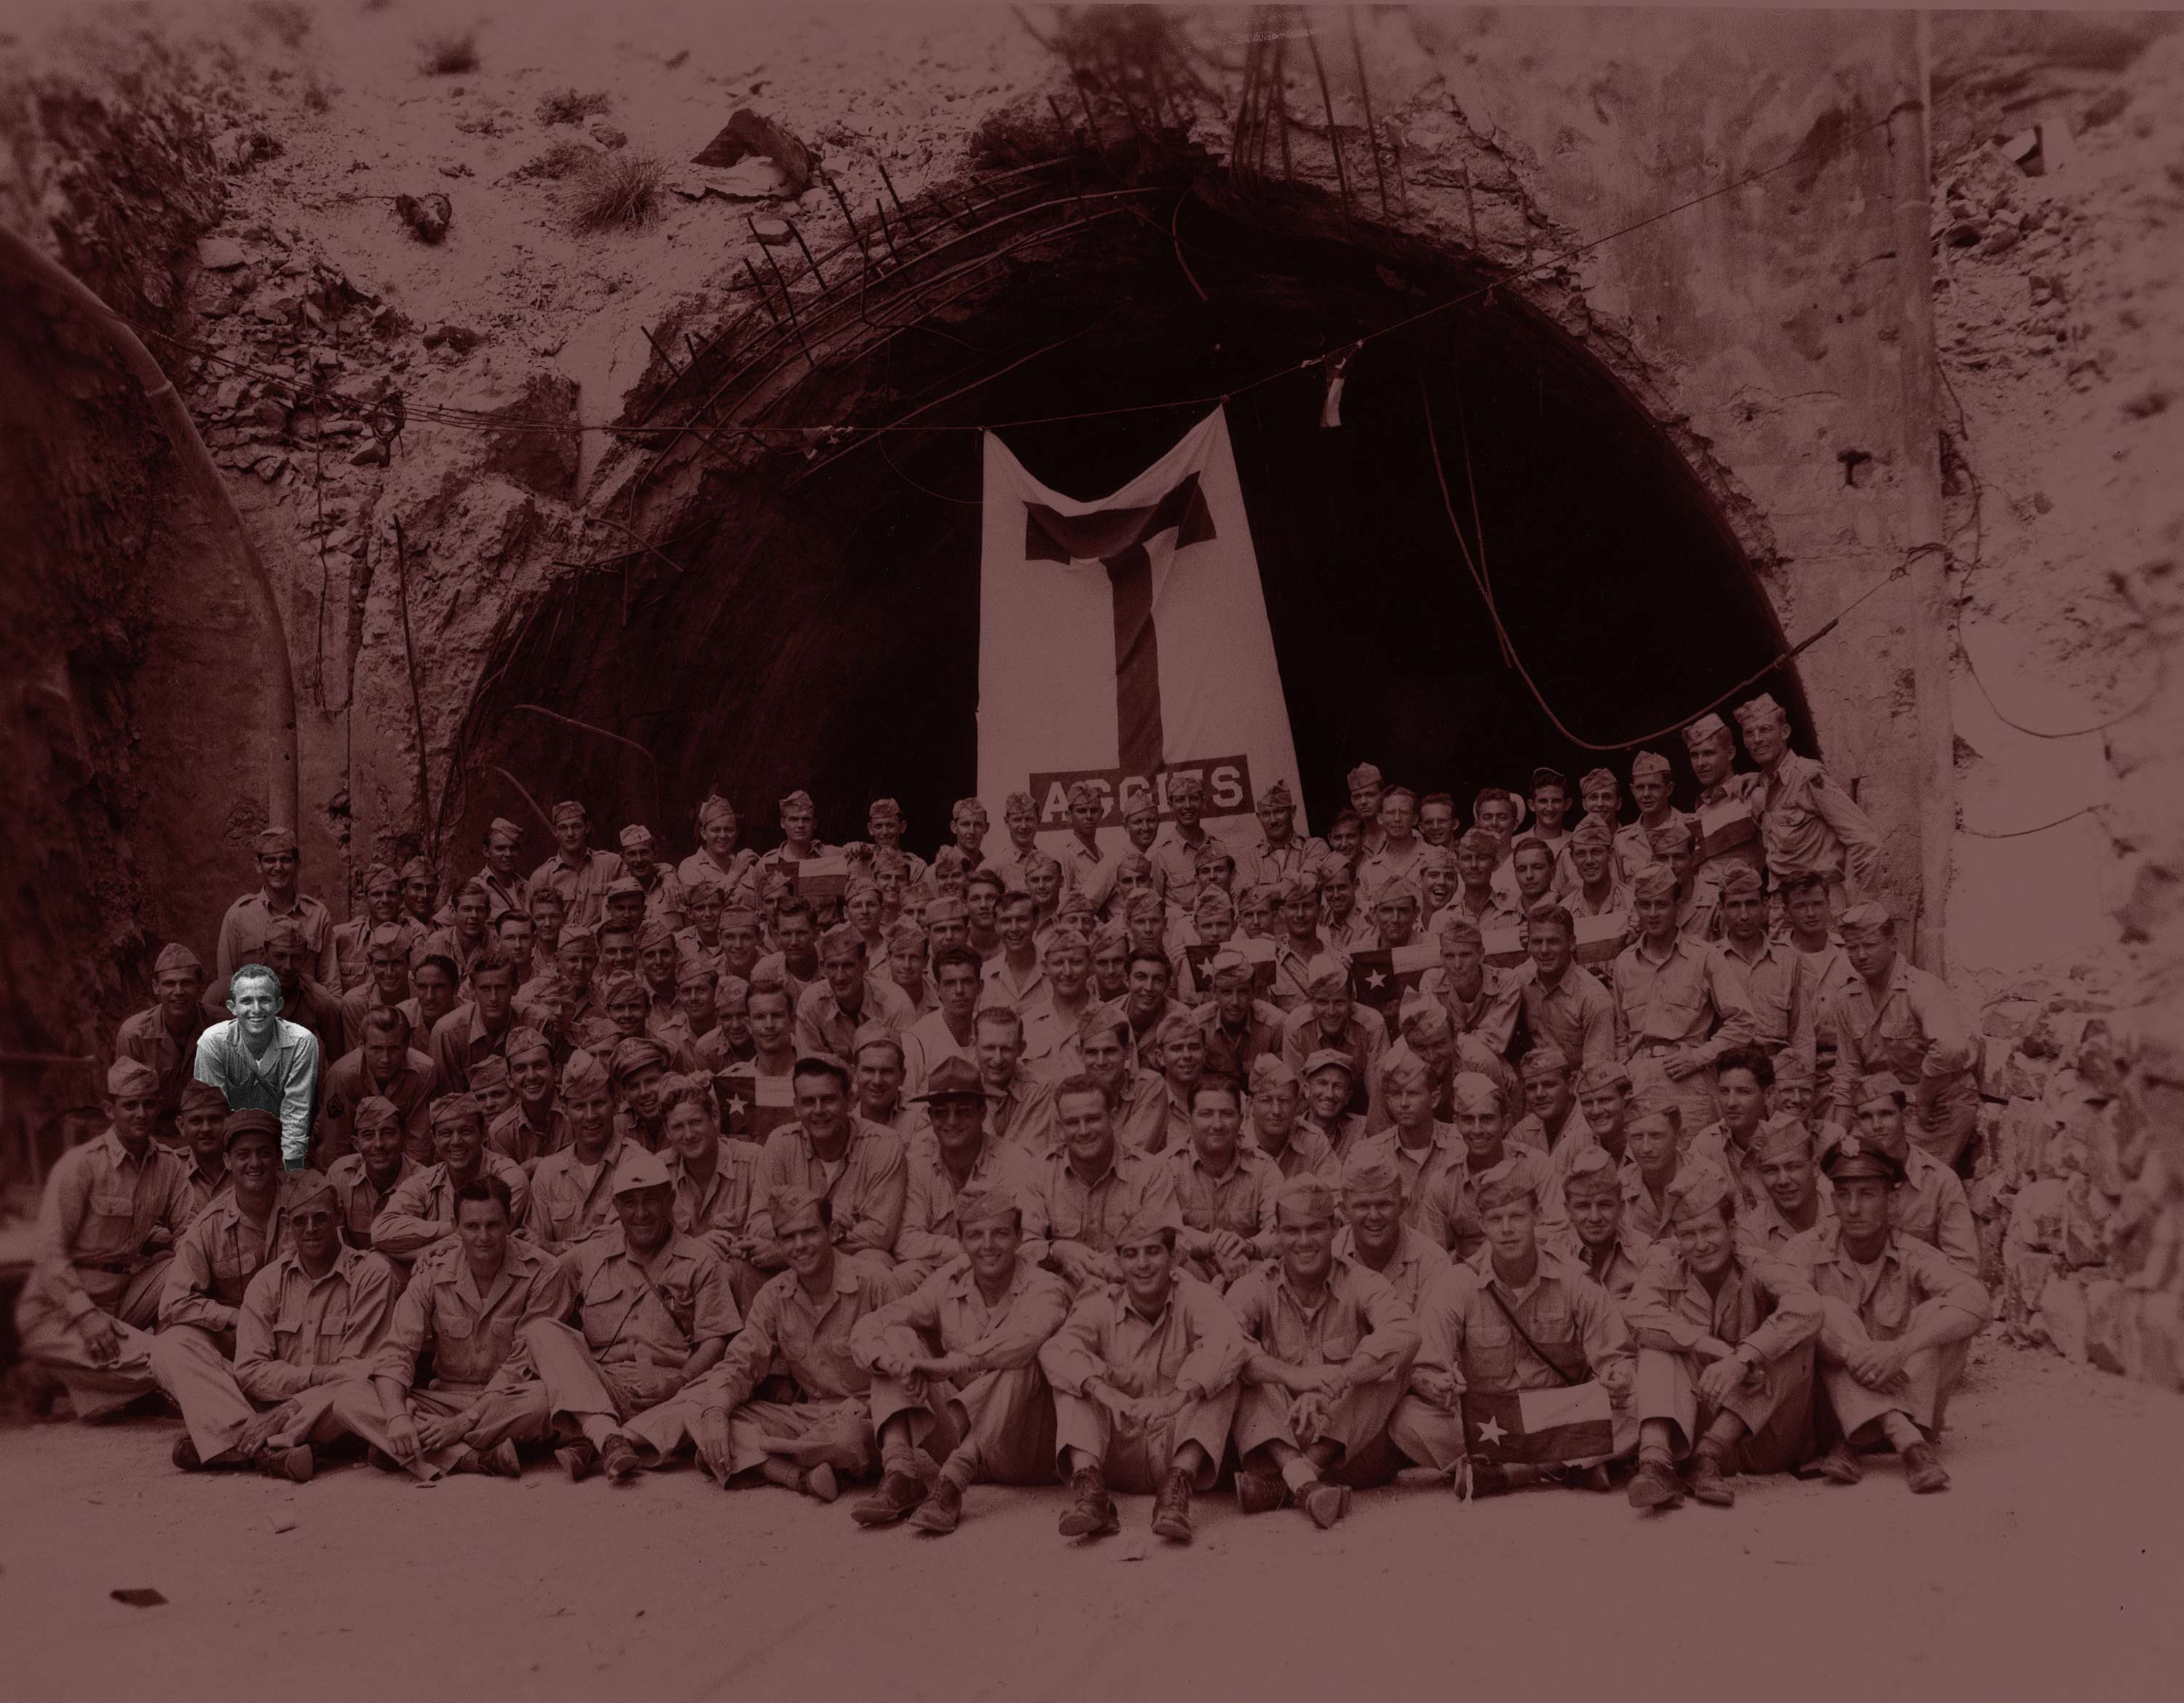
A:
(1379, 976)
(1123, 642)
(753, 1106)
(1540, 1426)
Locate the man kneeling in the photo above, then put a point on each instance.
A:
(1896, 1319)
(1514, 1319)
(1724, 1350)
(1328, 1340)
(1143, 1374)
(955, 1368)
(805, 1316)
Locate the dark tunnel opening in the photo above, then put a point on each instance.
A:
(1621, 585)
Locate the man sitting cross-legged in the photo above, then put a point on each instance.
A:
(955, 1367)
(1896, 1319)
(1516, 1316)
(310, 1323)
(800, 1321)
(1143, 1374)
(654, 1313)
(468, 1302)
(1328, 1342)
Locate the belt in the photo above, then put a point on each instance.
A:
(1654, 1049)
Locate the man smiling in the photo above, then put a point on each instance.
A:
(261, 1061)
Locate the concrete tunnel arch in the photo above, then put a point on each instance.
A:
(822, 632)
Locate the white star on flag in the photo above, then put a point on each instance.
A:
(1491, 1433)
(1376, 980)
(735, 1104)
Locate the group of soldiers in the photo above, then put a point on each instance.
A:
(1540, 1150)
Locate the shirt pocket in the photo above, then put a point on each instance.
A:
(1489, 1353)
(110, 1219)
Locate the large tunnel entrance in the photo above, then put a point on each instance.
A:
(824, 631)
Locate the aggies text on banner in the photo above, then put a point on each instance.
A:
(1124, 641)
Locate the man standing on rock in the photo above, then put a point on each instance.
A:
(1808, 824)
(259, 1059)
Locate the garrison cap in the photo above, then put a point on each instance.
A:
(654, 932)
(490, 1072)
(944, 909)
(1423, 1018)
(798, 799)
(715, 809)
(175, 956)
(418, 869)
(1606, 1073)
(300, 1188)
(501, 828)
(1741, 882)
(1228, 968)
(819, 1059)
(1102, 1019)
(276, 840)
(1019, 804)
(382, 875)
(1655, 881)
(1781, 1134)
(1155, 1220)
(1367, 1170)
(1547, 1059)
(1400, 1066)
(1592, 1167)
(622, 984)
(1591, 832)
(1365, 774)
(524, 1039)
(1879, 1084)
(1513, 1177)
(1276, 797)
(1793, 1069)
(454, 1109)
(623, 886)
(1670, 835)
(572, 807)
(1325, 973)
(791, 1203)
(1211, 898)
(986, 1202)
(286, 933)
(1706, 726)
(582, 1070)
(248, 1121)
(1083, 792)
(884, 810)
(1461, 929)
(128, 1078)
(635, 836)
(1759, 709)
(636, 1169)
(1271, 1070)
(1650, 763)
(1697, 1189)
(201, 1097)
(870, 1034)
(842, 940)
(1306, 1195)
(376, 1112)
(1594, 779)
(1472, 1091)
(1177, 1025)
(692, 967)
(1869, 917)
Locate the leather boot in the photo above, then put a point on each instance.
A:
(1922, 1470)
(1172, 1512)
(1655, 1485)
(1092, 1514)
(895, 1496)
(1706, 1483)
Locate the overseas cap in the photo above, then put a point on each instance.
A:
(1591, 832)
(1271, 1070)
(1083, 792)
(491, 1072)
(1596, 777)
(1877, 1086)
(635, 837)
(1607, 1074)
(500, 828)
(1277, 797)
(524, 1039)
(1547, 1059)
(1326, 973)
(1655, 881)
(989, 1201)
(715, 809)
(624, 886)
(572, 807)
(299, 1188)
(201, 1097)
(1102, 1019)
(1400, 1067)
(1590, 1167)
(1869, 917)
(1761, 708)
(1367, 1170)
(1365, 774)
(1229, 968)
(1706, 726)
(871, 1034)
(1699, 1188)
(129, 1078)
(1670, 835)
(376, 1112)
(1742, 881)
(582, 1071)
(798, 799)
(1781, 1134)
(1473, 1092)
(1306, 1196)
(175, 956)
(1154, 1221)
(276, 840)
(636, 1169)
(454, 1109)
(653, 934)
(1650, 763)
(1513, 1178)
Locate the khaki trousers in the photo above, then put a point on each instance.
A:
(1006, 1418)
(1356, 1424)
(1777, 1409)
(1139, 1462)
(48, 1338)
(1929, 1376)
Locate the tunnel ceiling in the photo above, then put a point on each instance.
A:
(823, 631)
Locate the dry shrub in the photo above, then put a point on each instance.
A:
(564, 158)
(571, 106)
(449, 54)
(622, 191)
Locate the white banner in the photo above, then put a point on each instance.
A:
(1124, 642)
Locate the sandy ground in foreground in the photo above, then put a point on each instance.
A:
(2049, 1571)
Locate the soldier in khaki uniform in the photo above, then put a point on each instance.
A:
(1517, 1315)
(577, 873)
(713, 1180)
(572, 1189)
(106, 1229)
(246, 929)
(1895, 1016)
(1725, 1352)
(952, 1157)
(382, 909)
(420, 1213)
(1598, 1240)
(856, 1166)
(1326, 1344)
(1727, 815)
(1374, 1235)
(201, 1122)
(469, 1302)
(802, 1320)
(1224, 1189)
(718, 858)
(653, 1314)
(165, 1036)
(1896, 1320)
(1143, 1373)
(1078, 1198)
(381, 1065)
(955, 1368)
(1808, 825)
(1276, 1128)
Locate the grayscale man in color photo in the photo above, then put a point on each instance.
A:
(1091, 851)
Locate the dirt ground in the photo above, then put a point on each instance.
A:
(2049, 1571)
